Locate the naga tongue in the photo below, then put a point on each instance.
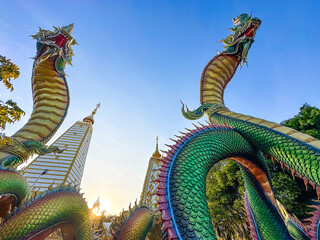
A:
(60, 40)
(249, 32)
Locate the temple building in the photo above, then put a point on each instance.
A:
(150, 187)
(66, 167)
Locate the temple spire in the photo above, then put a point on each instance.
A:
(157, 154)
(157, 140)
(90, 119)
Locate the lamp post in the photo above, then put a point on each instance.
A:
(43, 173)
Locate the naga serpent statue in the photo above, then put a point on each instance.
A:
(22, 217)
(246, 140)
(181, 189)
(229, 135)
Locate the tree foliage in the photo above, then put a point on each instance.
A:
(9, 113)
(307, 121)
(291, 193)
(8, 71)
(225, 189)
(225, 185)
(9, 110)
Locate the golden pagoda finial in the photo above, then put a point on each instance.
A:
(95, 110)
(90, 119)
(157, 141)
(157, 154)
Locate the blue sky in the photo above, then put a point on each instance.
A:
(139, 58)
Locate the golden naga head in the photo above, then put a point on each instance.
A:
(243, 35)
(56, 44)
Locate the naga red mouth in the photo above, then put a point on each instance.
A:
(60, 40)
(250, 31)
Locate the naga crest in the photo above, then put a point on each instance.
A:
(244, 31)
(57, 44)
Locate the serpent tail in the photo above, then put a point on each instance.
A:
(62, 208)
(134, 224)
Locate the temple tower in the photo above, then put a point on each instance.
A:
(66, 167)
(149, 187)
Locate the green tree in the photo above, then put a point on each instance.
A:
(225, 190)
(8, 71)
(9, 110)
(9, 113)
(291, 193)
(307, 121)
(225, 185)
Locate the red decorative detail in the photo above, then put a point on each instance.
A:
(314, 222)
(165, 215)
(172, 151)
(163, 174)
(253, 232)
(171, 234)
(318, 193)
(161, 179)
(162, 206)
(60, 40)
(174, 148)
(305, 183)
(312, 185)
(166, 225)
(161, 185)
(201, 124)
(165, 165)
(293, 174)
(164, 168)
(250, 31)
(161, 192)
(195, 126)
(162, 199)
(282, 166)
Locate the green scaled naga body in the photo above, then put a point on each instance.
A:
(22, 217)
(246, 140)
(139, 222)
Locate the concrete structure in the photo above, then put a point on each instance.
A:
(62, 168)
(149, 187)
